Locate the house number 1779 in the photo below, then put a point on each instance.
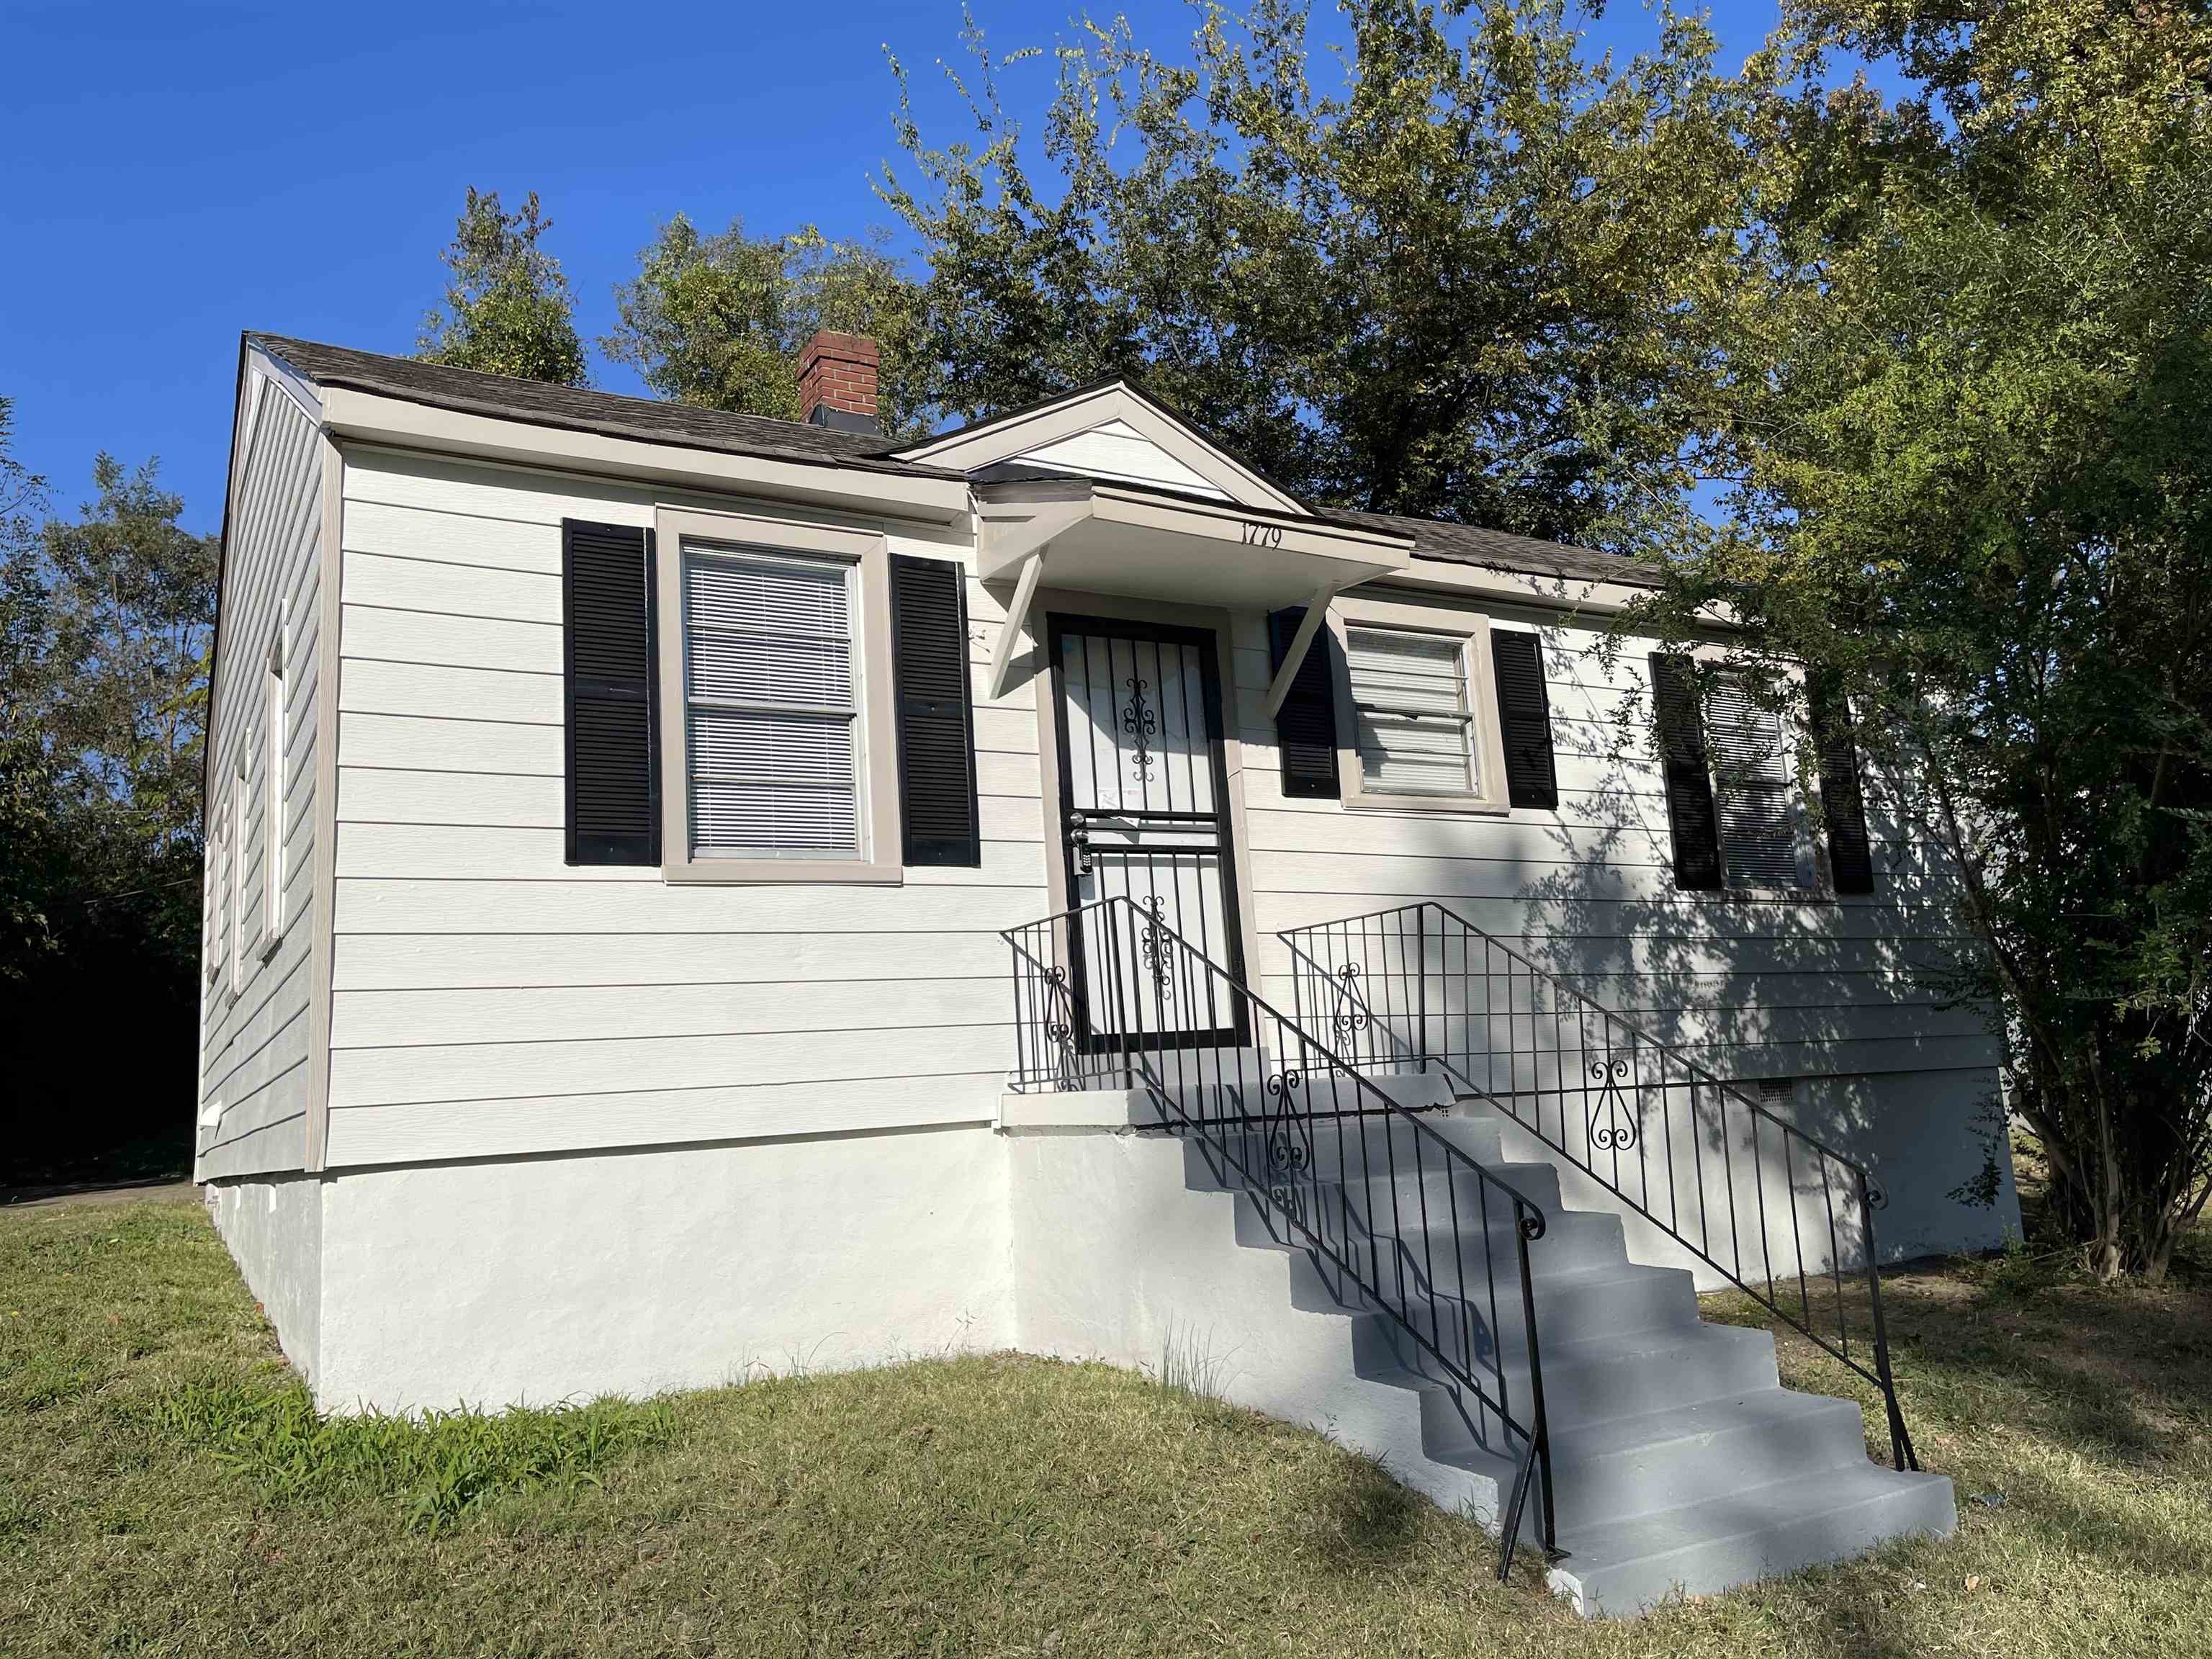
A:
(1262, 535)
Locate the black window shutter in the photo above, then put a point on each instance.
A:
(1305, 726)
(1524, 719)
(936, 725)
(1843, 804)
(1689, 785)
(613, 763)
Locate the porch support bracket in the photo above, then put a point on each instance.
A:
(1301, 642)
(1017, 615)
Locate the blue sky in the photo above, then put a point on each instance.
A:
(171, 174)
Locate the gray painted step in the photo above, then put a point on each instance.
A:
(1633, 1374)
(1710, 1449)
(1679, 1463)
(1625, 1566)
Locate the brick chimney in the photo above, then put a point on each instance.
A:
(837, 382)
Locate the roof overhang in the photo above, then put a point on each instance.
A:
(367, 417)
(1106, 538)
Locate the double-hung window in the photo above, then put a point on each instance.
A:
(1413, 719)
(772, 699)
(1763, 844)
(1736, 815)
(777, 748)
(1418, 728)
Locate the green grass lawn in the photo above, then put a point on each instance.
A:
(165, 1489)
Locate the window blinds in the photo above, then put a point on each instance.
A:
(1751, 776)
(1414, 731)
(771, 700)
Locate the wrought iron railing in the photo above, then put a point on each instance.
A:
(1420, 986)
(1395, 1218)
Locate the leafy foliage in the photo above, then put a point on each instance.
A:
(1455, 285)
(508, 310)
(718, 321)
(106, 626)
(1968, 349)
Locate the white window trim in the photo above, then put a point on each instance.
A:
(744, 533)
(1472, 628)
(275, 804)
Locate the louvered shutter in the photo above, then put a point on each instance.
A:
(936, 726)
(1305, 726)
(613, 793)
(1843, 805)
(1690, 815)
(1524, 719)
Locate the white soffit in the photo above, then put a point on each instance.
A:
(1111, 432)
(1109, 538)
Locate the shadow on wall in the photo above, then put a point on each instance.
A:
(1841, 1006)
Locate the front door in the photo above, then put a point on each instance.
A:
(1144, 816)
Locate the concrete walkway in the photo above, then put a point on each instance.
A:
(139, 1192)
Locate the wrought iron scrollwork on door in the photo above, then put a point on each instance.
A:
(1612, 1125)
(1142, 724)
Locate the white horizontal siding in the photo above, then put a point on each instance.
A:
(1754, 987)
(253, 1048)
(488, 999)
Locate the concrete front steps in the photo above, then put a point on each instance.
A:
(1679, 1463)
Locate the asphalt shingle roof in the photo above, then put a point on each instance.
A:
(468, 391)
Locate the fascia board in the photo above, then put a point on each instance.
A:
(366, 418)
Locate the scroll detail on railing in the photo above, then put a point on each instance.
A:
(1420, 986)
(1395, 1217)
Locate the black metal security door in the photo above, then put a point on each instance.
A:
(1144, 816)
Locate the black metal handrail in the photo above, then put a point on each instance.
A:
(1419, 984)
(1392, 1215)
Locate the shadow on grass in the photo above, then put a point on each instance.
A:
(1361, 1518)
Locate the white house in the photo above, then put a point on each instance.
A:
(632, 835)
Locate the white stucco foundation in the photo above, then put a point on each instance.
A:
(539, 1279)
(274, 1228)
(1059, 1231)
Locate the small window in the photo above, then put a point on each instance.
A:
(1415, 731)
(772, 706)
(216, 936)
(275, 810)
(1761, 833)
(238, 840)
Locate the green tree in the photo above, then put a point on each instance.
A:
(28, 841)
(1970, 352)
(1458, 283)
(106, 624)
(131, 598)
(718, 321)
(508, 310)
